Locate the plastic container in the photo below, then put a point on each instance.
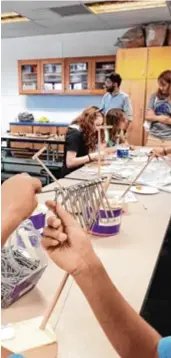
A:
(26, 260)
(108, 222)
(38, 218)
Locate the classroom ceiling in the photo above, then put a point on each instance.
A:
(56, 17)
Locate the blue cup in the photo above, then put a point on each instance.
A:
(123, 153)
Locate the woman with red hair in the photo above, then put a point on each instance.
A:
(81, 140)
(159, 112)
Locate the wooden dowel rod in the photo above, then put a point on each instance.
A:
(99, 161)
(138, 175)
(39, 152)
(54, 302)
(36, 157)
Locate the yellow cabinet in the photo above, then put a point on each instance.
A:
(159, 60)
(136, 91)
(132, 63)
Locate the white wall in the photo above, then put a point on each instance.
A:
(50, 46)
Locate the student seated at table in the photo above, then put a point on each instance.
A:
(81, 140)
(158, 116)
(117, 134)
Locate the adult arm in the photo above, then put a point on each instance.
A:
(152, 117)
(150, 113)
(128, 333)
(18, 200)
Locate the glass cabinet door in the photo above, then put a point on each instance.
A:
(102, 68)
(78, 75)
(29, 76)
(52, 76)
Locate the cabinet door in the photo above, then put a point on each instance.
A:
(101, 67)
(21, 129)
(29, 77)
(78, 76)
(131, 63)
(159, 60)
(136, 91)
(52, 76)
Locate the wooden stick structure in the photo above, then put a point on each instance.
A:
(138, 175)
(54, 302)
(36, 157)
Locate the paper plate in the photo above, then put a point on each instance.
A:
(139, 189)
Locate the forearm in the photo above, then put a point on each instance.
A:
(128, 333)
(9, 222)
(162, 119)
(76, 162)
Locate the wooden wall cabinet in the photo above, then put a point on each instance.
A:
(52, 76)
(132, 63)
(29, 77)
(101, 67)
(78, 75)
(159, 60)
(75, 76)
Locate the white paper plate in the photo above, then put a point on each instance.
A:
(139, 189)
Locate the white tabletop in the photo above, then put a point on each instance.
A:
(129, 259)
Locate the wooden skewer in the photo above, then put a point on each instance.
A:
(99, 159)
(39, 152)
(36, 157)
(54, 302)
(138, 175)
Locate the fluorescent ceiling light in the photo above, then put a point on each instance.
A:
(9, 17)
(116, 6)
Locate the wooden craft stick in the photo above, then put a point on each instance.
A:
(39, 152)
(138, 175)
(107, 182)
(99, 161)
(54, 302)
(36, 157)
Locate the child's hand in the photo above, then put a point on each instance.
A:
(66, 242)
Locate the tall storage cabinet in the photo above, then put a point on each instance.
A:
(140, 69)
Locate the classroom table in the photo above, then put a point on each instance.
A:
(129, 258)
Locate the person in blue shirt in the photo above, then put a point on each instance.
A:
(69, 247)
(115, 98)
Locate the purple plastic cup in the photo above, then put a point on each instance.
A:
(107, 225)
